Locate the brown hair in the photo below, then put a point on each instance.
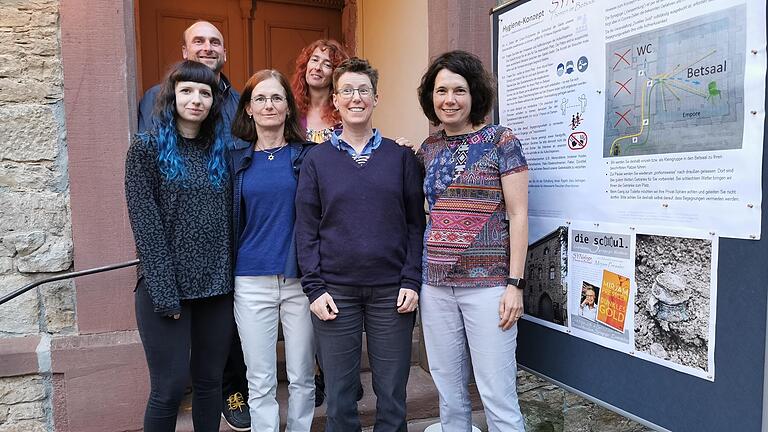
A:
(357, 65)
(469, 66)
(243, 126)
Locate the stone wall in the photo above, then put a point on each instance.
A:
(23, 404)
(35, 230)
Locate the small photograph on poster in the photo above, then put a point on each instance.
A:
(588, 305)
(546, 296)
(674, 291)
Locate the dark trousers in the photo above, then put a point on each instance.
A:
(234, 379)
(388, 335)
(196, 344)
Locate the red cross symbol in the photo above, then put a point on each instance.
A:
(623, 86)
(622, 58)
(623, 117)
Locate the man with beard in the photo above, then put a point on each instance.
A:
(204, 43)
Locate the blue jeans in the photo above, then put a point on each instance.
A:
(388, 334)
(196, 344)
(461, 325)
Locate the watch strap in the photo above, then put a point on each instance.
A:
(518, 282)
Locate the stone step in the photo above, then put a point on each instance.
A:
(422, 405)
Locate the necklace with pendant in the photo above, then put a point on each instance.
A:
(270, 153)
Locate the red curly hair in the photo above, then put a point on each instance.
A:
(299, 86)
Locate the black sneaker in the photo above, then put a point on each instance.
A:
(236, 413)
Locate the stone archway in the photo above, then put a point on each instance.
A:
(546, 309)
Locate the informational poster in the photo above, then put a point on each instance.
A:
(647, 291)
(638, 112)
(642, 124)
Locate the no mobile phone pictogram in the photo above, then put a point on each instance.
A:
(577, 140)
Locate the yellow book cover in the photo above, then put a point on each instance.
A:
(613, 301)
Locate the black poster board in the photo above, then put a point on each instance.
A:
(655, 395)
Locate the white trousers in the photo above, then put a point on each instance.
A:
(260, 302)
(462, 325)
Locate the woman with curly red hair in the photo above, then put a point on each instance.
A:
(313, 87)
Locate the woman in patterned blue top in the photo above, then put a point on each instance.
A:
(474, 245)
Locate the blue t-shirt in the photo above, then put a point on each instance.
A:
(269, 190)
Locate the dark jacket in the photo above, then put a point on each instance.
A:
(239, 160)
(229, 95)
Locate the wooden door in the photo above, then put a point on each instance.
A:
(281, 29)
(160, 24)
(257, 34)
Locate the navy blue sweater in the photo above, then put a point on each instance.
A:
(359, 225)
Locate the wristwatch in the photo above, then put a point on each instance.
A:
(518, 282)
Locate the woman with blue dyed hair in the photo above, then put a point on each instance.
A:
(179, 203)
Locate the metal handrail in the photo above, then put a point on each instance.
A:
(71, 275)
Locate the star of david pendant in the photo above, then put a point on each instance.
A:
(271, 157)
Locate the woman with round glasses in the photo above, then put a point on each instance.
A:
(313, 88)
(359, 226)
(312, 84)
(267, 288)
(179, 203)
(476, 185)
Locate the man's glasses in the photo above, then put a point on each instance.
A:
(347, 92)
(262, 100)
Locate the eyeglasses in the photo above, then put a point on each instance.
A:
(347, 92)
(262, 100)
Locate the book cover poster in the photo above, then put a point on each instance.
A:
(613, 300)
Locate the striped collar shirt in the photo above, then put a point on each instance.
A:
(364, 155)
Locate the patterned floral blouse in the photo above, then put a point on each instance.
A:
(466, 242)
(320, 135)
